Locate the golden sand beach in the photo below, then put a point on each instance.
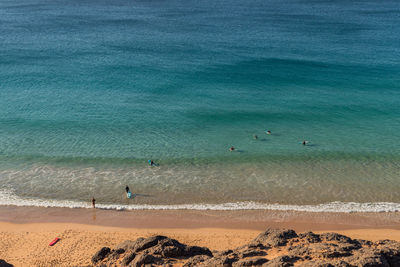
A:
(26, 232)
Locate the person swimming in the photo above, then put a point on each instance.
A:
(268, 132)
(304, 143)
(231, 148)
(255, 137)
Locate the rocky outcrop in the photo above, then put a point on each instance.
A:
(273, 238)
(101, 254)
(272, 248)
(154, 250)
(3, 263)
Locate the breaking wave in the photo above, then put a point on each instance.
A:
(7, 198)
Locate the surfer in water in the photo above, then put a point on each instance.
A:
(304, 143)
(255, 137)
(129, 193)
(231, 149)
(268, 132)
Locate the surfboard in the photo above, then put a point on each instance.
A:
(55, 240)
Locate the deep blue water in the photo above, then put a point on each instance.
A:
(90, 90)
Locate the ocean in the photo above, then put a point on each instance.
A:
(90, 90)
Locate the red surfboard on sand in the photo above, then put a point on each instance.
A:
(52, 243)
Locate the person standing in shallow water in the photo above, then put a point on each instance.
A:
(127, 189)
(93, 202)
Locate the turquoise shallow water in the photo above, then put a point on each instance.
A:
(90, 90)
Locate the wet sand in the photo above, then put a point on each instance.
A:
(241, 219)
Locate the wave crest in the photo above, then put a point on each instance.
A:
(7, 198)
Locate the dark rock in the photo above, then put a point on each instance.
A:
(119, 251)
(169, 248)
(115, 254)
(306, 249)
(148, 242)
(329, 250)
(172, 252)
(273, 238)
(326, 250)
(220, 261)
(170, 242)
(336, 237)
(250, 262)
(226, 252)
(255, 245)
(282, 261)
(342, 264)
(300, 251)
(143, 259)
(194, 261)
(349, 247)
(316, 264)
(335, 254)
(388, 242)
(310, 237)
(390, 250)
(101, 254)
(222, 253)
(368, 258)
(3, 263)
(128, 258)
(251, 253)
(364, 242)
(129, 244)
(191, 251)
(393, 261)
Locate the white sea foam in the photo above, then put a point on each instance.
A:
(10, 199)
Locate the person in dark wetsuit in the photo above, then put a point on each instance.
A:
(93, 202)
(127, 189)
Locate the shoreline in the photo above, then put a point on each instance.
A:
(237, 219)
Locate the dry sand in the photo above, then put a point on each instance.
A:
(26, 232)
(27, 244)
